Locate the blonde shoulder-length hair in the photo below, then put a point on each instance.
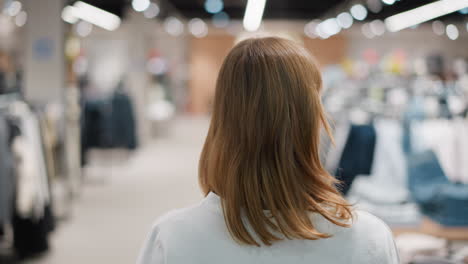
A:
(262, 148)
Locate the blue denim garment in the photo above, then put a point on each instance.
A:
(358, 155)
(414, 112)
(439, 199)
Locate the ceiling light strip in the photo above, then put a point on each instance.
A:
(91, 14)
(423, 13)
(253, 14)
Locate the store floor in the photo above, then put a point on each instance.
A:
(121, 197)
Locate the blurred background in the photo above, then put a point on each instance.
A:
(104, 106)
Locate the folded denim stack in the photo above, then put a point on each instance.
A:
(441, 200)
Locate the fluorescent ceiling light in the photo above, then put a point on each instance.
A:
(359, 12)
(377, 27)
(174, 26)
(14, 8)
(220, 20)
(21, 18)
(253, 14)
(152, 11)
(330, 27)
(345, 20)
(84, 28)
(389, 2)
(452, 32)
(423, 13)
(69, 14)
(198, 27)
(310, 29)
(140, 5)
(366, 31)
(91, 14)
(438, 27)
(214, 6)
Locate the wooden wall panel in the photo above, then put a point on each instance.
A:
(327, 51)
(206, 57)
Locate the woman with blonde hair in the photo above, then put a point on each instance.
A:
(268, 198)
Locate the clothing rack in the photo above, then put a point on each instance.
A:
(394, 181)
(383, 100)
(25, 197)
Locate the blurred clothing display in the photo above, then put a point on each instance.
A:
(387, 181)
(27, 167)
(384, 191)
(33, 190)
(437, 166)
(109, 123)
(33, 218)
(448, 138)
(419, 160)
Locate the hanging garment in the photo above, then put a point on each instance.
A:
(32, 181)
(49, 138)
(123, 122)
(443, 201)
(387, 182)
(358, 155)
(7, 177)
(95, 127)
(108, 123)
(28, 197)
(449, 141)
(33, 218)
(385, 192)
(31, 235)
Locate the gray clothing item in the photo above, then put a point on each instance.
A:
(7, 180)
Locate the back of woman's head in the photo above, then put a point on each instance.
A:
(262, 148)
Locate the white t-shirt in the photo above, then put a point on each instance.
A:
(198, 235)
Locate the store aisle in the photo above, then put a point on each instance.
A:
(120, 200)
